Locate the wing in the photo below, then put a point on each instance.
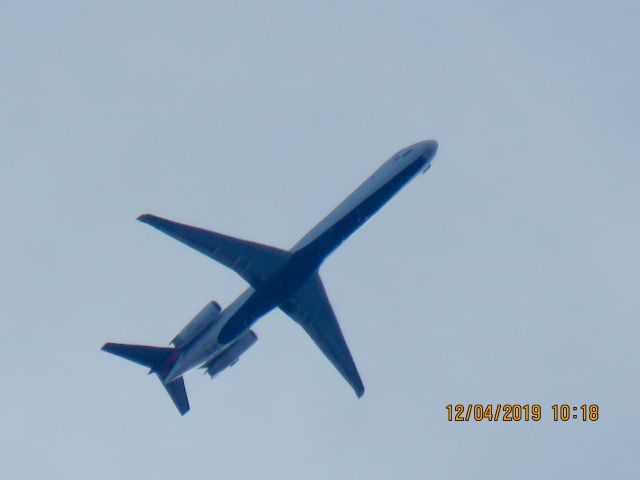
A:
(310, 308)
(252, 261)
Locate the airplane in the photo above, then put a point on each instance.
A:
(287, 279)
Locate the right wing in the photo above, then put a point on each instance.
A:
(310, 308)
(252, 261)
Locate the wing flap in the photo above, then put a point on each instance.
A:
(310, 308)
(253, 261)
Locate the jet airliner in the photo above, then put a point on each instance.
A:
(287, 279)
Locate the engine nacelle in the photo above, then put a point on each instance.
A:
(231, 354)
(207, 316)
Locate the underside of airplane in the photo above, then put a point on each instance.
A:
(287, 279)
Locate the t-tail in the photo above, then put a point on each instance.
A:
(160, 360)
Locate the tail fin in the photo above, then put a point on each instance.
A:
(141, 354)
(178, 394)
(160, 360)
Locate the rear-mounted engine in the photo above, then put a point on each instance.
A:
(206, 317)
(231, 354)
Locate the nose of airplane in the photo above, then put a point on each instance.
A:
(428, 150)
(430, 147)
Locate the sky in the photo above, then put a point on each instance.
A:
(509, 273)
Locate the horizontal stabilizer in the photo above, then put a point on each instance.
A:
(252, 261)
(160, 360)
(141, 354)
(178, 394)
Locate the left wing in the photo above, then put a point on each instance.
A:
(252, 261)
(310, 307)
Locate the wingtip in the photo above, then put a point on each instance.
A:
(360, 391)
(144, 218)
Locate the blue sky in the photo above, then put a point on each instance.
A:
(508, 273)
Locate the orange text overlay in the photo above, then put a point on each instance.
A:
(515, 412)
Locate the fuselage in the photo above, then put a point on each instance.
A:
(306, 255)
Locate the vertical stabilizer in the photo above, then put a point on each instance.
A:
(160, 360)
